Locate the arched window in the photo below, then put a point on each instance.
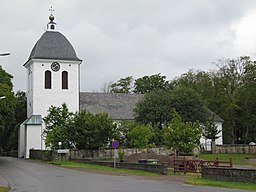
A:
(52, 27)
(64, 80)
(48, 80)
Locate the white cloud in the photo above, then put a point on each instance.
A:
(131, 37)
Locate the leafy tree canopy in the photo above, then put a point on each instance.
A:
(7, 111)
(123, 85)
(140, 136)
(157, 105)
(89, 131)
(210, 130)
(181, 136)
(57, 125)
(147, 84)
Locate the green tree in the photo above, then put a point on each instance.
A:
(246, 100)
(21, 107)
(201, 82)
(123, 85)
(57, 124)
(147, 84)
(156, 107)
(20, 117)
(181, 136)
(7, 111)
(211, 131)
(89, 131)
(140, 136)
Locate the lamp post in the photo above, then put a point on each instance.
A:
(5, 54)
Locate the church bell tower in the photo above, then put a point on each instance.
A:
(53, 73)
(52, 79)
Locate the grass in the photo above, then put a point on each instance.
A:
(194, 180)
(70, 164)
(237, 159)
(4, 189)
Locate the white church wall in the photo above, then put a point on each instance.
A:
(56, 95)
(29, 68)
(33, 138)
(21, 146)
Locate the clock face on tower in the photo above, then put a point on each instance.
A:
(55, 66)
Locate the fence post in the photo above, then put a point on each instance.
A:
(185, 165)
(216, 162)
(173, 162)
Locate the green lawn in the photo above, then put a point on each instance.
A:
(194, 180)
(105, 168)
(237, 159)
(4, 189)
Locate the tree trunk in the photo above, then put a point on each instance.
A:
(213, 146)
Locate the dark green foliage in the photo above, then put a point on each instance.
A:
(147, 84)
(89, 131)
(229, 92)
(181, 136)
(7, 112)
(140, 135)
(57, 125)
(157, 105)
(123, 85)
(155, 109)
(210, 130)
(6, 79)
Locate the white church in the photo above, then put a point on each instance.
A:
(53, 78)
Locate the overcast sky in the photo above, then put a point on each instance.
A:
(120, 38)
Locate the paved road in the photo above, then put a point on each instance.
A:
(27, 176)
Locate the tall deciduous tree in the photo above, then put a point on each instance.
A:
(181, 136)
(7, 110)
(89, 131)
(123, 85)
(57, 124)
(20, 117)
(246, 101)
(157, 105)
(140, 136)
(147, 84)
(156, 109)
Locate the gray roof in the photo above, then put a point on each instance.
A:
(53, 45)
(118, 105)
(33, 120)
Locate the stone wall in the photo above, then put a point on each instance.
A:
(107, 153)
(230, 149)
(47, 155)
(155, 168)
(229, 174)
